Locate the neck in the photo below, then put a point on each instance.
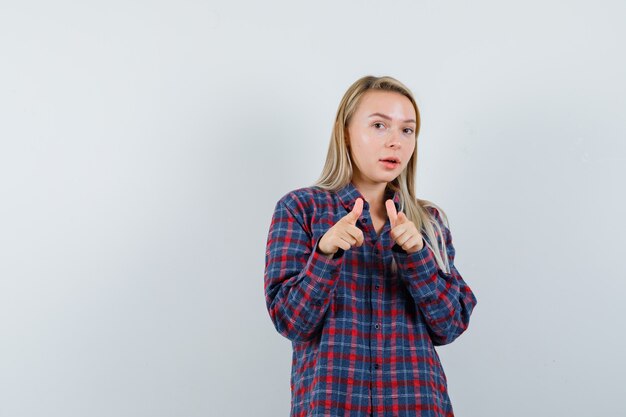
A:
(373, 194)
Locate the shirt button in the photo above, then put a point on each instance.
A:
(376, 366)
(364, 220)
(377, 286)
(377, 326)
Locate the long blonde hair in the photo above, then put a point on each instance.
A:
(338, 170)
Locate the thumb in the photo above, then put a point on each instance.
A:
(391, 212)
(402, 217)
(354, 215)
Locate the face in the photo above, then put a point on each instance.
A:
(382, 128)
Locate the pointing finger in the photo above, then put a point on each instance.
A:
(391, 212)
(354, 215)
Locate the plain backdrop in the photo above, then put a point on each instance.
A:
(144, 144)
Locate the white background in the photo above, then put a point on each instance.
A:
(143, 146)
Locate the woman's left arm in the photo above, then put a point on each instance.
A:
(445, 300)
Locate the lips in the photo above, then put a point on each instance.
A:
(391, 159)
(390, 163)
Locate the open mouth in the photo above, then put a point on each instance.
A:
(390, 162)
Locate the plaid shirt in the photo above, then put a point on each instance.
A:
(363, 333)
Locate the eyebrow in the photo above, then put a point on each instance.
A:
(384, 116)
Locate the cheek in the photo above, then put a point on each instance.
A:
(357, 152)
(410, 150)
(408, 155)
(363, 146)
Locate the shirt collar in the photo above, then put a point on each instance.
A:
(349, 193)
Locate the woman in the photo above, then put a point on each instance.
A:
(360, 274)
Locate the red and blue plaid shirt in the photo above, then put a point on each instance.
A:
(363, 333)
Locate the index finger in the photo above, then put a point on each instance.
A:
(354, 215)
(391, 212)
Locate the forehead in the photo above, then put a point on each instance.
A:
(387, 102)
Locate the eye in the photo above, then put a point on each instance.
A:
(378, 125)
(408, 130)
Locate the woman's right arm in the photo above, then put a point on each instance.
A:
(299, 280)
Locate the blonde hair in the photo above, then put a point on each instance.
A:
(338, 170)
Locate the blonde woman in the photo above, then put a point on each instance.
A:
(359, 272)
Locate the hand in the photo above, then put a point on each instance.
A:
(344, 234)
(403, 231)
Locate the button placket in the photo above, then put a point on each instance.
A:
(376, 299)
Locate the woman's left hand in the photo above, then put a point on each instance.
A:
(403, 231)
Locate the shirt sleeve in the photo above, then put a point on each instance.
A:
(445, 299)
(299, 280)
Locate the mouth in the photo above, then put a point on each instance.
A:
(391, 162)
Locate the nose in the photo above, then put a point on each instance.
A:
(393, 139)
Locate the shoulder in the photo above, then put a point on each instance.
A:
(308, 206)
(435, 211)
(304, 198)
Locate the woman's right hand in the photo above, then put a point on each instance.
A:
(344, 234)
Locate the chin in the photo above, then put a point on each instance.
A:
(388, 179)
